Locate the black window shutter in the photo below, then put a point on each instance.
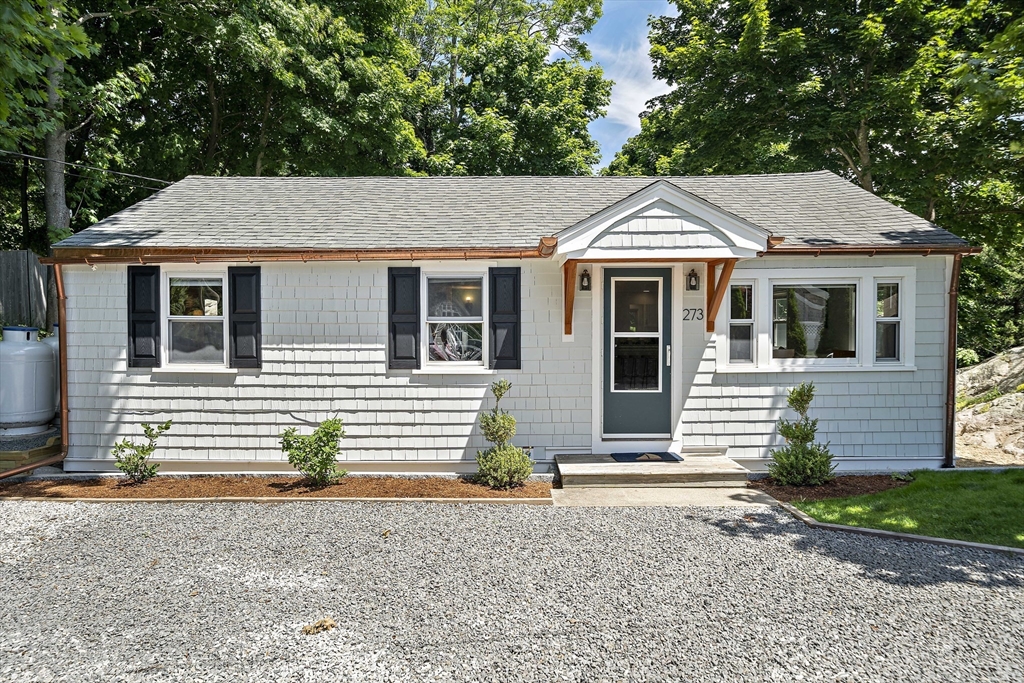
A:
(245, 330)
(143, 316)
(403, 318)
(506, 348)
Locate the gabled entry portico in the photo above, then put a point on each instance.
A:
(650, 321)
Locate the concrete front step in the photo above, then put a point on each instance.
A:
(712, 471)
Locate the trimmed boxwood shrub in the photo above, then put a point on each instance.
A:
(801, 462)
(502, 466)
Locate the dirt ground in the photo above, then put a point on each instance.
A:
(974, 455)
(258, 487)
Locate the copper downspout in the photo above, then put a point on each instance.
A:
(63, 331)
(950, 440)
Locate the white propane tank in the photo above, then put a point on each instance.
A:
(27, 376)
(53, 341)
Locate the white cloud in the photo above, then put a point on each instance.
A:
(629, 65)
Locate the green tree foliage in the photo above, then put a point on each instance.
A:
(921, 103)
(164, 89)
(495, 104)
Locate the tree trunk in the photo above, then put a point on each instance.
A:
(213, 136)
(864, 152)
(263, 132)
(25, 236)
(58, 217)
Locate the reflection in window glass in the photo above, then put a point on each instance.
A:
(887, 340)
(636, 366)
(636, 306)
(196, 296)
(742, 302)
(455, 341)
(454, 298)
(814, 321)
(741, 342)
(888, 301)
(196, 341)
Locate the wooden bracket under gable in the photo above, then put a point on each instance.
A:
(569, 291)
(716, 290)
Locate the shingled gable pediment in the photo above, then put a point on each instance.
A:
(661, 221)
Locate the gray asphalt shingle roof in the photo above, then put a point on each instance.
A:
(808, 209)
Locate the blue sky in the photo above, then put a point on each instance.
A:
(619, 44)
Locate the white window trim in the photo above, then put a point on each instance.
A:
(901, 345)
(437, 367)
(166, 366)
(639, 335)
(752, 321)
(866, 280)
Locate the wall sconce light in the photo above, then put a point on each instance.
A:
(692, 281)
(585, 280)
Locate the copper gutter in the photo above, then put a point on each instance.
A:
(63, 331)
(90, 256)
(867, 250)
(949, 459)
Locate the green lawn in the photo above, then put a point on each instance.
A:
(985, 507)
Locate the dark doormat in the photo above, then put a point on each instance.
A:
(645, 457)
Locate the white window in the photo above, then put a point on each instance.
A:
(454, 322)
(741, 323)
(194, 329)
(887, 322)
(818, 318)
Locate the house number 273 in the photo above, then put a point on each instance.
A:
(693, 314)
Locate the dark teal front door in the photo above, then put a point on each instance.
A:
(637, 379)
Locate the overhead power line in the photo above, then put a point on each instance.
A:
(86, 166)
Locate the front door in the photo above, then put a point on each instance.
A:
(637, 352)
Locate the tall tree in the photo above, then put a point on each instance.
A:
(918, 102)
(494, 102)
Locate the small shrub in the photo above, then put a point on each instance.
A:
(133, 458)
(502, 466)
(801, 462)
(316, 455)
(903, 476)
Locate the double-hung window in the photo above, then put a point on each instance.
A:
(887, 321)
(196, 331)
(455, 319)
(741, 323)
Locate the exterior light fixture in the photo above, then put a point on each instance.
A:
(692, 281)
(585, 280)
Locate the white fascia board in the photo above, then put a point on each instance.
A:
(682, 254)
(745, 235)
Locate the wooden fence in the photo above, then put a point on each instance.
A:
(25, 286)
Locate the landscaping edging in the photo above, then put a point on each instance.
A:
(285, 499)
(896, 535)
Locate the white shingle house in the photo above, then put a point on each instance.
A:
(667, 314)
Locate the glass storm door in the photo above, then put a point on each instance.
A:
(637, 380)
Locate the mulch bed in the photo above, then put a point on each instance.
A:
(268, 487)
(840, 487)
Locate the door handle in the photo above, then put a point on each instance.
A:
(668, 355)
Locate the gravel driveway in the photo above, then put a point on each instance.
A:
(189, 592)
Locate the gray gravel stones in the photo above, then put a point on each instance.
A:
(219, 592)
